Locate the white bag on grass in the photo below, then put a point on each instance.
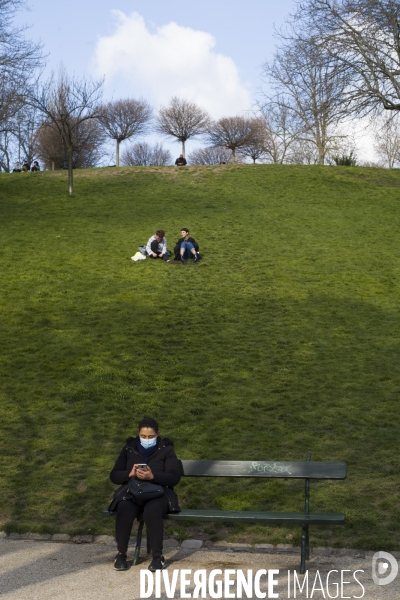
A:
(138, 256)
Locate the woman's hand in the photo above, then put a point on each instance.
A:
(144, 474)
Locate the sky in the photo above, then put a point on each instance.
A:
(210, 52)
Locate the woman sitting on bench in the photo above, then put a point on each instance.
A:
(146, 457)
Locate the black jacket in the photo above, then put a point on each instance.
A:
(177, 249)
(181, 161)
(163, 463)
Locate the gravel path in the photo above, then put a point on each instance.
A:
(31, 570)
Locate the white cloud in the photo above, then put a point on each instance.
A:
(171, 61)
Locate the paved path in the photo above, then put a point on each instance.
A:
(62, 571)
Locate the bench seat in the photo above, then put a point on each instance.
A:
(244, 516)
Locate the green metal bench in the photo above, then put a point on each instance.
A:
(306, 470)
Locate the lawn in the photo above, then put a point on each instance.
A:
(283, 341)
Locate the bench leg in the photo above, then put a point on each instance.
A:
(138, 542)
(304, 536)
(308, 544)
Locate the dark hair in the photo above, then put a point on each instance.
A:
(149, 422)
(185, 229)
(160, 233)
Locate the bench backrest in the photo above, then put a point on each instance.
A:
(277, 469)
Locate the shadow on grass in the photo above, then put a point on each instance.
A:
(231, 378)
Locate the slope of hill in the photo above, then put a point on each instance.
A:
(283, 341)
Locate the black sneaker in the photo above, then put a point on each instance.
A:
(120, 563)
(183, 260)
(157, 564)
(195, 258)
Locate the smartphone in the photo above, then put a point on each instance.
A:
(142, 466)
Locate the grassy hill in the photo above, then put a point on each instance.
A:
(283, 341)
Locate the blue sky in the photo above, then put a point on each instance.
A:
(90, 38)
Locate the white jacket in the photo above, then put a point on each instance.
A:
(162, 246)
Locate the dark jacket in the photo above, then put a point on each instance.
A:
(181, 161)
(177, 249)
(163, 463)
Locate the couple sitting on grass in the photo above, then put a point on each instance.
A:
(185, 248)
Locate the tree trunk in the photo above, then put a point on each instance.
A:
(5, 163)
(183, 148)
(117, 154)
(233, 155)
(65, 165)
(70, 175)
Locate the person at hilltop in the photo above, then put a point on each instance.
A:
(17, 168)
(35, 166)
(186, 247)
(157, 246)
(181, 161)
(150, 458)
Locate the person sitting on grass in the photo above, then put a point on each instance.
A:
(146, 457)
(181, 161)
(186, 247)
(157, 245)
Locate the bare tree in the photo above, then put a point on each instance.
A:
(310, 88)
(50, 148)
(15, 51)
(182, 120)
(387, 140)
(364, 37)
(216, 155)
(137, 155)
(67, 103)
(124, 119)
(256, 148)
(6, 138)
(303, 152)
(255, 151)
(19, 60)
(142, 154)
(25, 126)
(343, 152)
(18, 137)
(282, 129)
(233, 133)
(87, 145)
(161, 156)
(11, 98)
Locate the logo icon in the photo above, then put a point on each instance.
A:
(385, 564)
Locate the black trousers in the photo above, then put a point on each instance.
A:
(153, 512)
(154, 248)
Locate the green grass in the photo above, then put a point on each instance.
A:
(283, 341)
